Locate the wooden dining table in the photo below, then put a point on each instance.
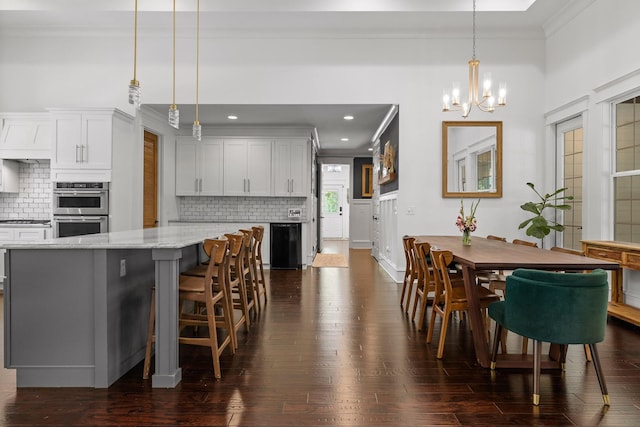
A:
(488, 255)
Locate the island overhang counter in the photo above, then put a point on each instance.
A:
(76, 309)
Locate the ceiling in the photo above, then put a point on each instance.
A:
(328, 120)
(300, 18)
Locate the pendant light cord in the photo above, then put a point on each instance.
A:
(174, 53)
(135, 39)
(197, 56)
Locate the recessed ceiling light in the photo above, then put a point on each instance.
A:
(232, 117)
(344, 139)
(348, 117)
(370, 148)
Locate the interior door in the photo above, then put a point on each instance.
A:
(150, 206)
(331, 211)
(569, 137)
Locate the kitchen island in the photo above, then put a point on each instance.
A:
(76, 309)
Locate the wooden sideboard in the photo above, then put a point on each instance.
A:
(628, 256)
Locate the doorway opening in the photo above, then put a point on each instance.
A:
(150, 184)
(334, 205)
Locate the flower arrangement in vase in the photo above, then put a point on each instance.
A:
(468, 223)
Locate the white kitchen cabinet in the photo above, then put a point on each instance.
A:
(83, 142)
(25, 136)
(247, 167)
(290, 168)
(199, 167)
(9, 176)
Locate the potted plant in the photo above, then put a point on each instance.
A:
(539, 226)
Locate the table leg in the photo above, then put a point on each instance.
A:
(475, 317)
(167, 373)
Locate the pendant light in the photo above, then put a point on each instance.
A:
(451, 102)
(197, 129)
(134, 84)
(174, 113)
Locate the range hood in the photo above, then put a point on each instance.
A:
(25, 136)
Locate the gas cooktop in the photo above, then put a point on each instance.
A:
(26, 221)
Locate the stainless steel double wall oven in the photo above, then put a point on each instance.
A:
(80, 208)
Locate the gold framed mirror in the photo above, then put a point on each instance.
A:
(472, 159)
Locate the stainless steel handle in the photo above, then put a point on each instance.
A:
(77, 158)
(78, 218)
(82, 152)
(201, 185)
(77, 192)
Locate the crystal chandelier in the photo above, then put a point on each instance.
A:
(451, 102)
(134, 84)
(174, 113)
(197, 129)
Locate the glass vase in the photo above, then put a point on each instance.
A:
(466, 238)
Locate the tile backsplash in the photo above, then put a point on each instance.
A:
(220, 208)
(33, 201)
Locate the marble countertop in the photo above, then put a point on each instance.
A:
(236, 221)
(171, 237)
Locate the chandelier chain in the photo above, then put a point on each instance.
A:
(474, 30)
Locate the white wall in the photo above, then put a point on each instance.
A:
(591, 61)
(92, 70)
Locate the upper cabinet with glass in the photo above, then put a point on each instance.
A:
(471, 159)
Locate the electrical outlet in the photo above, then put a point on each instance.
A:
(123, 267)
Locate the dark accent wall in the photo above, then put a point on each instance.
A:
(391, 134)
(358, 162)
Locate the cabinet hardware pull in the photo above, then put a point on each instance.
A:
(77, 161)
(248, 185)
(196, 182)
(201, 185)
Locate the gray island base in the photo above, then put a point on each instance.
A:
(76, 309)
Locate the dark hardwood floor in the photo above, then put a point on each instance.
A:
(334, 348)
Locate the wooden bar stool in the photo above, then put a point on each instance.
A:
(258, 234)
(200, 269)
(235, 282)
(210, 293)
(249, 270)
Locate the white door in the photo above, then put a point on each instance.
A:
(331, 211)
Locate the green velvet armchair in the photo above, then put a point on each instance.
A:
(560, 308)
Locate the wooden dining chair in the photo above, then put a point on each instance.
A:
(425, 285)
(410, 271)
(498, 283)
(524, 242)
(484, 277)
(449, 298)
